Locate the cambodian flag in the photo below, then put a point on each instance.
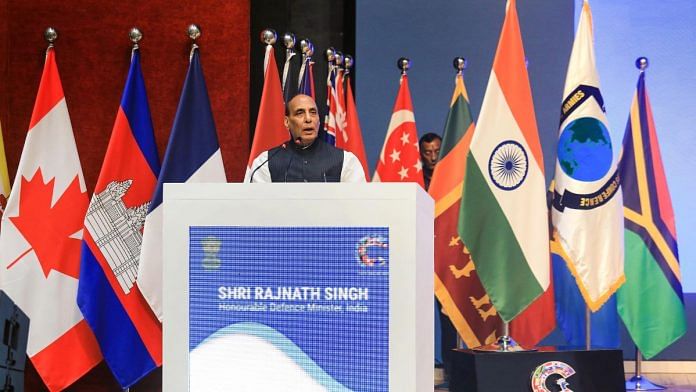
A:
(129, 334)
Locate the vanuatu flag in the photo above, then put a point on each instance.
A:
(650, 303)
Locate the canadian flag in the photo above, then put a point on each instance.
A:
(40, 240)
(399, 160)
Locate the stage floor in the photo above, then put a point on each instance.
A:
(674, 382)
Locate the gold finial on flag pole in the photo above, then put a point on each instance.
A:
(135, 36)
(50, 35)
(642, 63)
(460, 64)
(330, 56)
(348, 63)
(404, 64)
(289, 43)
(307, 50)
(194, 32)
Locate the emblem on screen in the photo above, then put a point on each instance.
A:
(546, 370)
(372, 251)
(211, 248)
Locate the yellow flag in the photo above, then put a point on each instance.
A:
(4, 178)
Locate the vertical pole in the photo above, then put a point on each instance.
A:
(588, 328)
(505, 346)
(637, 382)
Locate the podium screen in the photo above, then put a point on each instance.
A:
(289, 308)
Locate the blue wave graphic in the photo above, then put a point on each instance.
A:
(290, 349)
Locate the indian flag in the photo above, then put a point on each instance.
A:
(503, 212)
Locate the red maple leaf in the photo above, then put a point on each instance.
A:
(48, 228)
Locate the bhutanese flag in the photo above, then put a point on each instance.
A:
(457, 285)
(651, 303)
(503, 210)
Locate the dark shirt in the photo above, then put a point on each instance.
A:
(318, 162)
(427, 176)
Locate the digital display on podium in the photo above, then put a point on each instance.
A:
(289, 308)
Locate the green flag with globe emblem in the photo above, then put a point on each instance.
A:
(587, 211)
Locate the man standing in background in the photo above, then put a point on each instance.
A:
(429, 145)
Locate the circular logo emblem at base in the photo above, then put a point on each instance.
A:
(508, 165)
(562, 371)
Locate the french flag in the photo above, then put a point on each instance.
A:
(128, 332)
(193, 155)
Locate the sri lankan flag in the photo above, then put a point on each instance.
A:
(651, 303)
(457, 285)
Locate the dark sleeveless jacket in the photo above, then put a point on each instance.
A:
(320, 162)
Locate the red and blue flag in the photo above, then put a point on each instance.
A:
(306, 84)
(128, 333)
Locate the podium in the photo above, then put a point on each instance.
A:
(306, 287)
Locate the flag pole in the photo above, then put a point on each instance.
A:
(588, 328)
(307, 49)
(289, 43)
(504, 344)
(348, 63)
(330, 60)
(460, 63)
(638, 382)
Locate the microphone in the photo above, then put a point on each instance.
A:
(283, 147)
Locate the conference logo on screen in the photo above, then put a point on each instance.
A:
(372, 251)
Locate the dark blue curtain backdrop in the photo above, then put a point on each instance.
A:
(432, 33)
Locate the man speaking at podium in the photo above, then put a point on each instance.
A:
(305, 158)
